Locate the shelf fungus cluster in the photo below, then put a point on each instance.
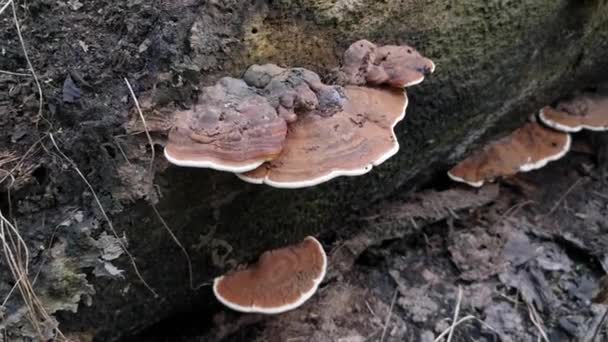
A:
(286, 128)
(533, 145)
(281, 279)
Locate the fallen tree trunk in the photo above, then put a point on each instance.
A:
(497, 63)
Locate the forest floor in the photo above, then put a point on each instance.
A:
(519, 261)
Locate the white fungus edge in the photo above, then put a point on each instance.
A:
(211, 165)
(477, 184)
(568, 129)
(541, 163)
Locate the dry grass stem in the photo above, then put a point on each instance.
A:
(459, 322)
(15, 73)
(151, 170)
(16, 254)
(388, 316)
(456, 313)
(5, 6)
(181, 246)
(104, 214)
(19, 164)
(536, 320)
(27, 58)
(141, 116)
(563, 197)
(456, 322)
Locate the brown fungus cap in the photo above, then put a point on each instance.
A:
(587, 111)
(396, 66)
(281, 280)
(528, 148)
(348, 143)
(231, 129)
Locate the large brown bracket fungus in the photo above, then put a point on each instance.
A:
(231, 129)
(348, 143)
(281, 280)
(286, 128)
(396, 66)
(588, 111)
(528, 148)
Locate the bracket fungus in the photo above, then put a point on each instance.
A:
(528, 148)
(396, 66)
(350, 142)
(281, 280)
(231, 129)
(286, 128)
(588, 111)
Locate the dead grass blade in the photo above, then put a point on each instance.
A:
(388, 316)
(5, 6)
(16, 254)
(158, 215)
(104, 214)
(456, 322)
(27, 59)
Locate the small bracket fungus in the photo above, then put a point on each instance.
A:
(528, 148)
(350, 142)
(587, 111)
(281, 280)
(391, 65)
(231, 129)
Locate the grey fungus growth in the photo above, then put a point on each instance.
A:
(281, 279)
(587, 111)
(293, 91)
(350, 142)
(529, 147)
(398, 66)
(231, 129)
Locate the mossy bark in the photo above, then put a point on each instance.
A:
(497, 62)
